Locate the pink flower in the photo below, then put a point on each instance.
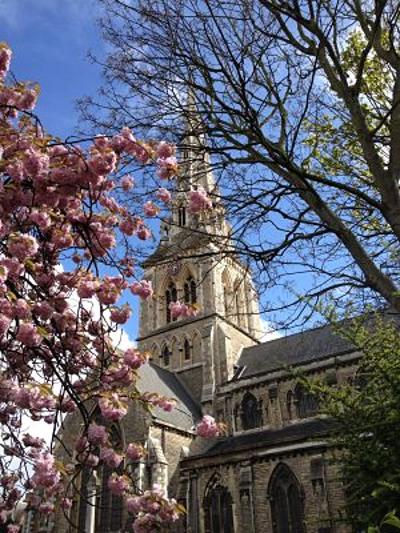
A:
(35, 442)
(179, 309)
(28, 99)
(121, 315)
(28, 335)
(22, 246)
(165, 150)
(164, 195)
(133, 358)
(88, 288)
(127, 183)
(134, 451)
(5, 322)
(22, 309)
(97, 435)
(150, 209)
(5, 60)
(199, 201)
(45, 474)
(167, 167)
(113, 408)
(41, 218)
(103, 163)
(118, 484)
(66, 503)
(208, 427)
(143, 233)
(133, 504)
(36, 164)
(142, 288)
(110, 457)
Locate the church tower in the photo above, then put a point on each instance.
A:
(195, 263)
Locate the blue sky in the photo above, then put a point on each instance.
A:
(50, 40)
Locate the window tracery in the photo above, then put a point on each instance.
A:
(251, 412)
(287, 501)
(187, 350)
(307, 403)
(217, 504)
(171, 295)
(166, 355)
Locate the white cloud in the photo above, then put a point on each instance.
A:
(268, 333)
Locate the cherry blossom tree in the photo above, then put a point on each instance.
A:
(62, 236)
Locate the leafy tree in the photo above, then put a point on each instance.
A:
(299, 101)
(367, 415)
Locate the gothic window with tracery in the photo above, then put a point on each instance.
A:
(187, 351)
(166, 355)
(307, 403)
(171, 295)
(287, 501)
(251, 412)
(190, 291)
(217, 504)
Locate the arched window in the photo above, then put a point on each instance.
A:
(187, 351)
(165, 355)
(307, 403)
(182, 216)
(217, 504)
(190, 291)
(171, 295)
(286, 498)
(251, 412)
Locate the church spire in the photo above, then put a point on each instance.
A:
(195, 161)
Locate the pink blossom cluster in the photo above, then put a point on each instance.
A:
(208, 427)
(46, 475)
(180, 309)
(142, 288)
(134, 451)
(134, 358)
(199, 201)
(118, 485)
(112, 407)
(167, 404)
(163, 195)
(63, 204)
(152, 509)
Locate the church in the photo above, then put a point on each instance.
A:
(271, 472)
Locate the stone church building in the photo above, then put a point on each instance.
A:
(271, 472)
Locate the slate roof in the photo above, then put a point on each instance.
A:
(292, 350)
(308, 429)
(156, 379)
(302, 348)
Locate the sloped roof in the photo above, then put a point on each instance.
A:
(309, 429)
(296, 349)
(156, 379)
(302, 348)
